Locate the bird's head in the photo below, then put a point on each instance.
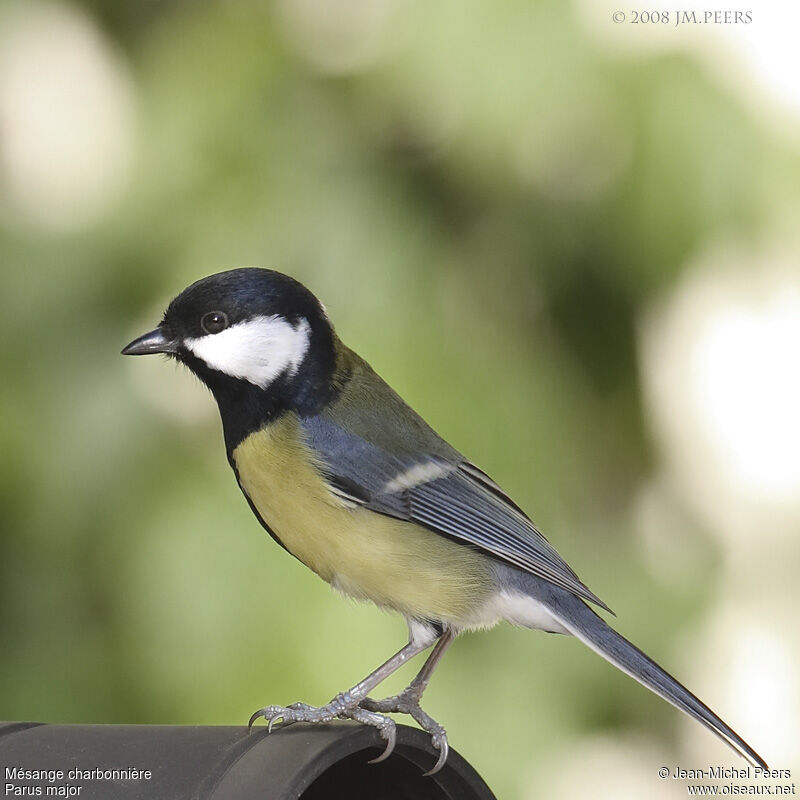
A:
(249, 334)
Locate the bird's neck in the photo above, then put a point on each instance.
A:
(245, 408)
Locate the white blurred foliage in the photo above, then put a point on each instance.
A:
(67, 116)
(340, 37)
(607, 768)
(751, 656)
(758, 60)
(722, 392)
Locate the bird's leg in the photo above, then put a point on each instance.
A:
(407, 702)
(346, 705)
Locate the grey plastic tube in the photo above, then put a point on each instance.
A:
(170, 762)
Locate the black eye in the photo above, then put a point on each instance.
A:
(214, 322)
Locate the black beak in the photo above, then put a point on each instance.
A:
(153, 342)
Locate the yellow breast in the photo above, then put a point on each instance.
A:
(367, 555)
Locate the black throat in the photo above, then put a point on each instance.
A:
(246, 408)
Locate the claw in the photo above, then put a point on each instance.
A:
(407, 702)
(391, 740)
(256, 715)
(271, 714)
(385, 726)
(441, 745)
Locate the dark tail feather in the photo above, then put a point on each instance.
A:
(593, 631)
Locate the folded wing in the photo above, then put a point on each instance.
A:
(449, 496)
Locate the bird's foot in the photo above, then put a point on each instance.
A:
(407, 702)
(343, 706)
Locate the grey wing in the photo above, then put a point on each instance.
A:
(452, 498)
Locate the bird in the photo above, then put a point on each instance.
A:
(350, 480)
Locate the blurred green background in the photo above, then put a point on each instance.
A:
(570, 244)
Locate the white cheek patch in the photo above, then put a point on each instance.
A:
(258, 350)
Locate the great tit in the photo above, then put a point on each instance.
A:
(355, 484)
